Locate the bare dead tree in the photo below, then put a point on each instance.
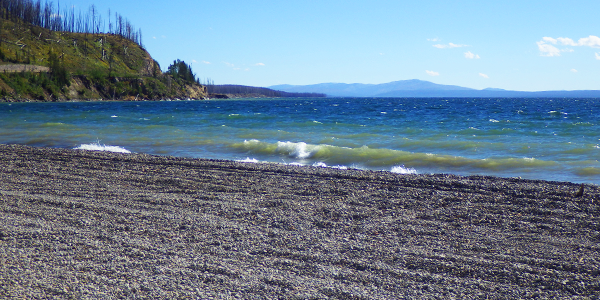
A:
(48, 16)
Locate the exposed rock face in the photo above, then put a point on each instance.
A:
(196, 91)
(150, 67)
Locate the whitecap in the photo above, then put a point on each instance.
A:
(403, 170)
(98, 147)
(297, 150)
(248, 160)
(339, 167)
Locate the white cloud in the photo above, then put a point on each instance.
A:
(591, 41)
(432, 73)
(194, 61)
(450, 45)
(259, 64)
(566, 41)
(573, 70)
(546, 49)
(455, 45)
(597, 55)
(434, 40)
(206, 62)
(470, 55)
(483, 75)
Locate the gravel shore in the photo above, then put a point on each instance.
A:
(82, 224)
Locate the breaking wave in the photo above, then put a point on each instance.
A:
(98, 147)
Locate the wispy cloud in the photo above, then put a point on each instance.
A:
(574, 70)
(434, 40)
(470, 55)
(547, 48)
(206, 62)
(260, 65)
(432, 73)
(597, 55)
(484, 75)
(449, 45)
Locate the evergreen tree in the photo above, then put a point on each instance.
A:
(180, 70)
(59, 73)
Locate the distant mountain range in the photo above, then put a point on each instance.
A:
(420, 88)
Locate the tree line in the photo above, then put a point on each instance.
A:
(242, 89)
(180, 70)
(47, 16)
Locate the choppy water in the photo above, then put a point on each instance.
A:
(551, 139)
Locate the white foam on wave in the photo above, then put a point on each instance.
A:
(98, 147)
(249, 160)
(403, 170)
(324, 165)
(298, 150)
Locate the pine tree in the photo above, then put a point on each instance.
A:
(180, 70)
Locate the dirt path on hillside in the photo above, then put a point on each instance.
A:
(13, 68)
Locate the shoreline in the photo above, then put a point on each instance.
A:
(77, 223)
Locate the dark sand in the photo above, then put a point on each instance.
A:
(77, 224)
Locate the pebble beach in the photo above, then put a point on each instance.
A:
(84, 224)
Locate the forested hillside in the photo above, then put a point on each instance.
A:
(79, 55)
(233, 91)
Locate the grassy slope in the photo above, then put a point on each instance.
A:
(87, 58)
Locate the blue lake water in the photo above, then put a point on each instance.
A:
(550, 139)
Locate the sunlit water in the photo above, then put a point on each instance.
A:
(551, 139)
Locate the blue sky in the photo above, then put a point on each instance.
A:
(518, 45)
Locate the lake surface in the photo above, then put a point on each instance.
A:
(550, 139)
